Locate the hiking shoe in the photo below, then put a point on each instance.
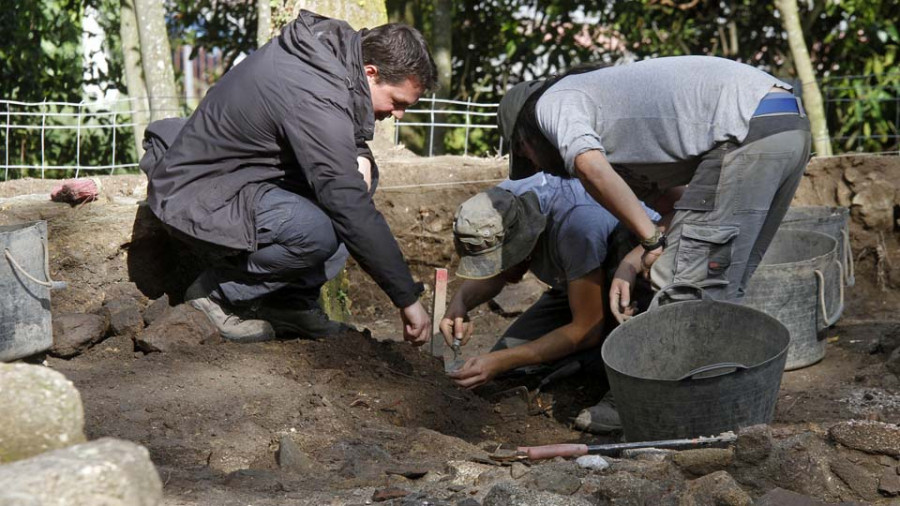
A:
(303, 323)
(231, 325)
(601, 418)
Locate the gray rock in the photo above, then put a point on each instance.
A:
(623, 488)
(715, 489)
(124, 316)
(292, 459)
(782, 497)
(41, 411)
(107, 471)
(754, 444)
(510, 494)
(182, 326)
(893, 362)
(464, 473)
(857, 478)
(518, 470)
(868, 436)
(889, 484)
(703, 461)
(156, 309)
(592, 462)
(648, 454)
(562, 478)
(492, 476)
(75, 332)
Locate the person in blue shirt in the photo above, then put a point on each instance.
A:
(552, 227)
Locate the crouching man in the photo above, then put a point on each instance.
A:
(273, 174)
(554, 228)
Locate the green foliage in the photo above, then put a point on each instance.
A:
(498, 43)
(44, 62)
(228, 26)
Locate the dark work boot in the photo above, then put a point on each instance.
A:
(233, 326)
(601, 418)
(303, 323)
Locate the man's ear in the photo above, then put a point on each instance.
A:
(371, 72)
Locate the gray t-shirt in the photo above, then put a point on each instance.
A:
(652, 119)
(574, 241)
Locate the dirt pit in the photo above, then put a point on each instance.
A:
(365, 417)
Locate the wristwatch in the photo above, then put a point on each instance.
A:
(657, 240)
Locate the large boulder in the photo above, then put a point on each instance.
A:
(108, 471)
(41, 411)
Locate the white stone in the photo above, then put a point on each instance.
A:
(592, 462)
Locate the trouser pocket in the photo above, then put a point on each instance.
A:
(704, 252)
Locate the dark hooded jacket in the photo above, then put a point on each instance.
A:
(295, 113)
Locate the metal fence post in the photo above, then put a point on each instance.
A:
(115, 110)
(6, 174)
(431, 128)
(43, 125)
(78, 141)
(468, 122)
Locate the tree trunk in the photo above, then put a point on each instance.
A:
(442, 44)
(263, 22)
(334, 297)
(134, 75)
(156, 59)
(812, 96)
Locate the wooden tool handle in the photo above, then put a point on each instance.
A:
(550, 451)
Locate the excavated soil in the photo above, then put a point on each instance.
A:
(365, 411)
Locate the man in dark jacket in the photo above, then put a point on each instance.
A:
(273, 166)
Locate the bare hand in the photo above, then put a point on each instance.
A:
(456, 325)
(647, 260)
(416, 324)
(476, 371)
(620, 303)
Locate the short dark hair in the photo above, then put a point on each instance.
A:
(399, 51)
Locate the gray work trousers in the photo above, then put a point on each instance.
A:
(732, 207)
(298, 251)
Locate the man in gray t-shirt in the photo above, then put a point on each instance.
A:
(732, 134)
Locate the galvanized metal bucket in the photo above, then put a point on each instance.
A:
(799, 283)
(694, 368)
(25, 326)
(831, 221)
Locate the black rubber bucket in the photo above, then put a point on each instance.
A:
(695, 368)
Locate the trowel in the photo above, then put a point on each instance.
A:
(456, 362)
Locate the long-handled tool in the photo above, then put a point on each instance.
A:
(614, 449)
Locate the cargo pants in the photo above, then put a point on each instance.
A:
(733, 205)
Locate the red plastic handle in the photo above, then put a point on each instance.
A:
(550, 451)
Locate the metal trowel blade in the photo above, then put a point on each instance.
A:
(453, 365)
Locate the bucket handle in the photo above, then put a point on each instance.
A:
(53, 285)
(821, 277)
(850, 278)
(696, 287)
(713, 370)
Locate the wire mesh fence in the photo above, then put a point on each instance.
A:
(63, 139)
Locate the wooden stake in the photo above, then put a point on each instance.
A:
(437, 312)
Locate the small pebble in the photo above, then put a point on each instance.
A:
(592, 462)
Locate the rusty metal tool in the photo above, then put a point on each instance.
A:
(611, 450)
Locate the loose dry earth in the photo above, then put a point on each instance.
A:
(334, 421)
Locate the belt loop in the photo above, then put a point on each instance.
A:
(800, 106)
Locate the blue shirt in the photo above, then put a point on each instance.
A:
(574, 242)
